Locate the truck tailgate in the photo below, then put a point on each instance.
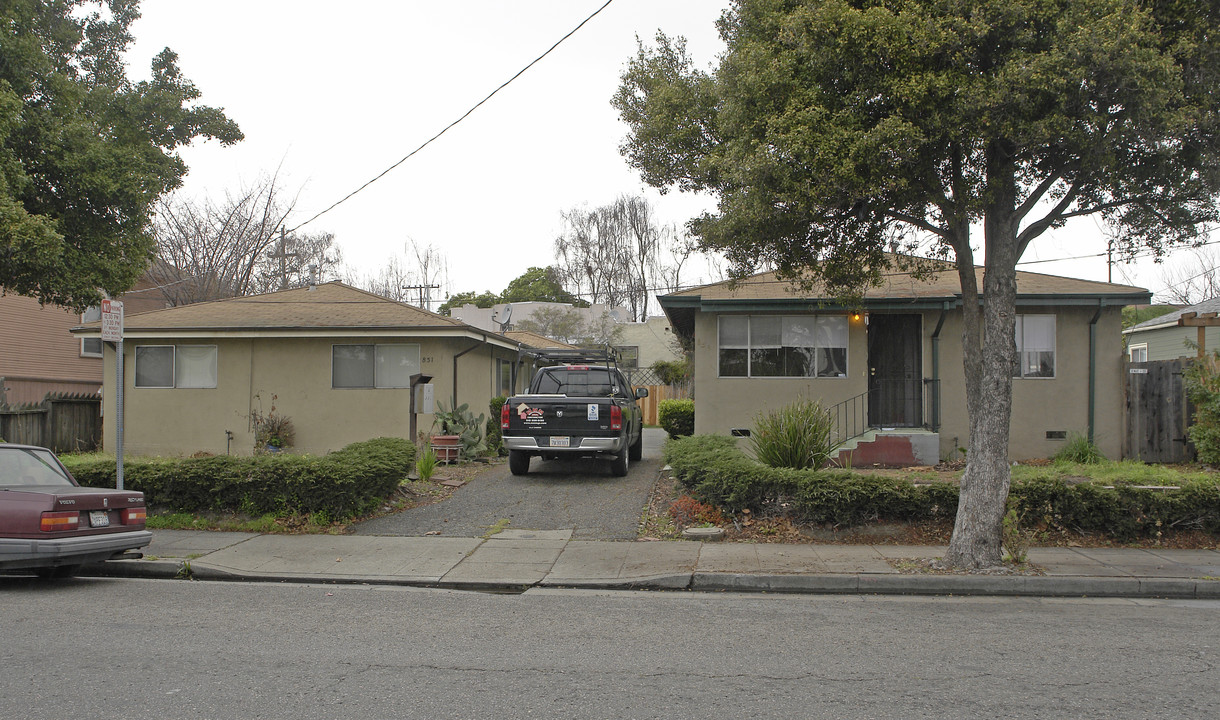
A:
(544, 416)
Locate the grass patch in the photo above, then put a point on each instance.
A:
(498, 528)
(1115, 472)
(235, 522)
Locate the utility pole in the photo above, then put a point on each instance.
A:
(1109, 260)
(282, 255)
(424, 295)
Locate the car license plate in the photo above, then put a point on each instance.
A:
(560, 441)
(99, 518)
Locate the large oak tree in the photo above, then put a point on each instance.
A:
(834, 130)
(84, 151)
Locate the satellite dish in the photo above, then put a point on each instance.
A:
(508, 314)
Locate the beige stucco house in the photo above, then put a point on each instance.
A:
(338, 361)
(891, 370)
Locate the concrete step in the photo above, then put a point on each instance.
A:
(892, 447)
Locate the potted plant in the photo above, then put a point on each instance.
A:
(272, 432)
(460, 433)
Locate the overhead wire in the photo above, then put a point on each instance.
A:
(450, 126)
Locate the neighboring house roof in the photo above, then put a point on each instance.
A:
(899, 290)
(534, 340)
(1171, 319)
(326, 309)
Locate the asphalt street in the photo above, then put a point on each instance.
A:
(579, 495)
(95, 648)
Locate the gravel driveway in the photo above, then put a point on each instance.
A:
(578, 495)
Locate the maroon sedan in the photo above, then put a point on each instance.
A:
(50, 525)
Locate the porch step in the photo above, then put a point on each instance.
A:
(896, 447)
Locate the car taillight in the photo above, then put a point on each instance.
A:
(60, 521)
(616, 417)
(504, 417)
(133, 516)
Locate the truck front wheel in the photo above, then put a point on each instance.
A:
(637, 448)
(518, 462)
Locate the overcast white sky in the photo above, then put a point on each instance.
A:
(333, 94)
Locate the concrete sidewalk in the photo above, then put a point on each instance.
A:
(516, 560)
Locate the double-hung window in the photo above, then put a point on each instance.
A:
(1035, 346)
(374, 366)
(175, 366)
(91, 347)
(783, 346)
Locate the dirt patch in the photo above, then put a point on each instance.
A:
(445, 480)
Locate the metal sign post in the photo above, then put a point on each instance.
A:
(112, 331)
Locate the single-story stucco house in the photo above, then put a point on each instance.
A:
(338, 361)
(891, 369)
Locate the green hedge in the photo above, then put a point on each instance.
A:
(715, 471)
(341, 484)
(676, 417)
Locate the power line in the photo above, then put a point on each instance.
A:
(455, 122)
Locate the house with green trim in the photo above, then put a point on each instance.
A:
(342, 364)
(890, 370)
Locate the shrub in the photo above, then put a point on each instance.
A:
(341, 484)
(688, 511)
(1202, 378)
(425, 465)
(1079, 449)
(677, 417)
(495, 435)
(716, 472)
(672, 372)
(800, 435)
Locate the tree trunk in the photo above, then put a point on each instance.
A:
(977, 531)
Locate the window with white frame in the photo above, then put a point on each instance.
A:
(504, 377)
(628, 356)
(783, 346)
(1035, 346)
(175, 366)
(389, 365)
(1139, 353)
(91, 347)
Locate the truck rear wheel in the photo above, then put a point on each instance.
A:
(618, 466)
(518, 462)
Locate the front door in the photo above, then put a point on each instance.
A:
(895, 372)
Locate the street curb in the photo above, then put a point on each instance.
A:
(675, 581)
(822, 584)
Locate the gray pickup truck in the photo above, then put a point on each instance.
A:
(574, 411)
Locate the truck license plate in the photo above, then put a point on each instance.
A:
(560, 441)
(99, 518)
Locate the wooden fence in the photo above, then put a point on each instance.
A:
(64, 423)
(649, 406)
(1158, 412)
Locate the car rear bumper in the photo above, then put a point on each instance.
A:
(579, 446)
(17, 553)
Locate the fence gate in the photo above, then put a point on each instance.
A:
(1158, 412)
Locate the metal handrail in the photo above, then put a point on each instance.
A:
(851, 417)
(931, 402)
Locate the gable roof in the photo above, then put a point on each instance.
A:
(899, 291)
(1171, 319)
(326, 309)
(534, 340)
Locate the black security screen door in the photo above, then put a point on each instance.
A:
(895, 374)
